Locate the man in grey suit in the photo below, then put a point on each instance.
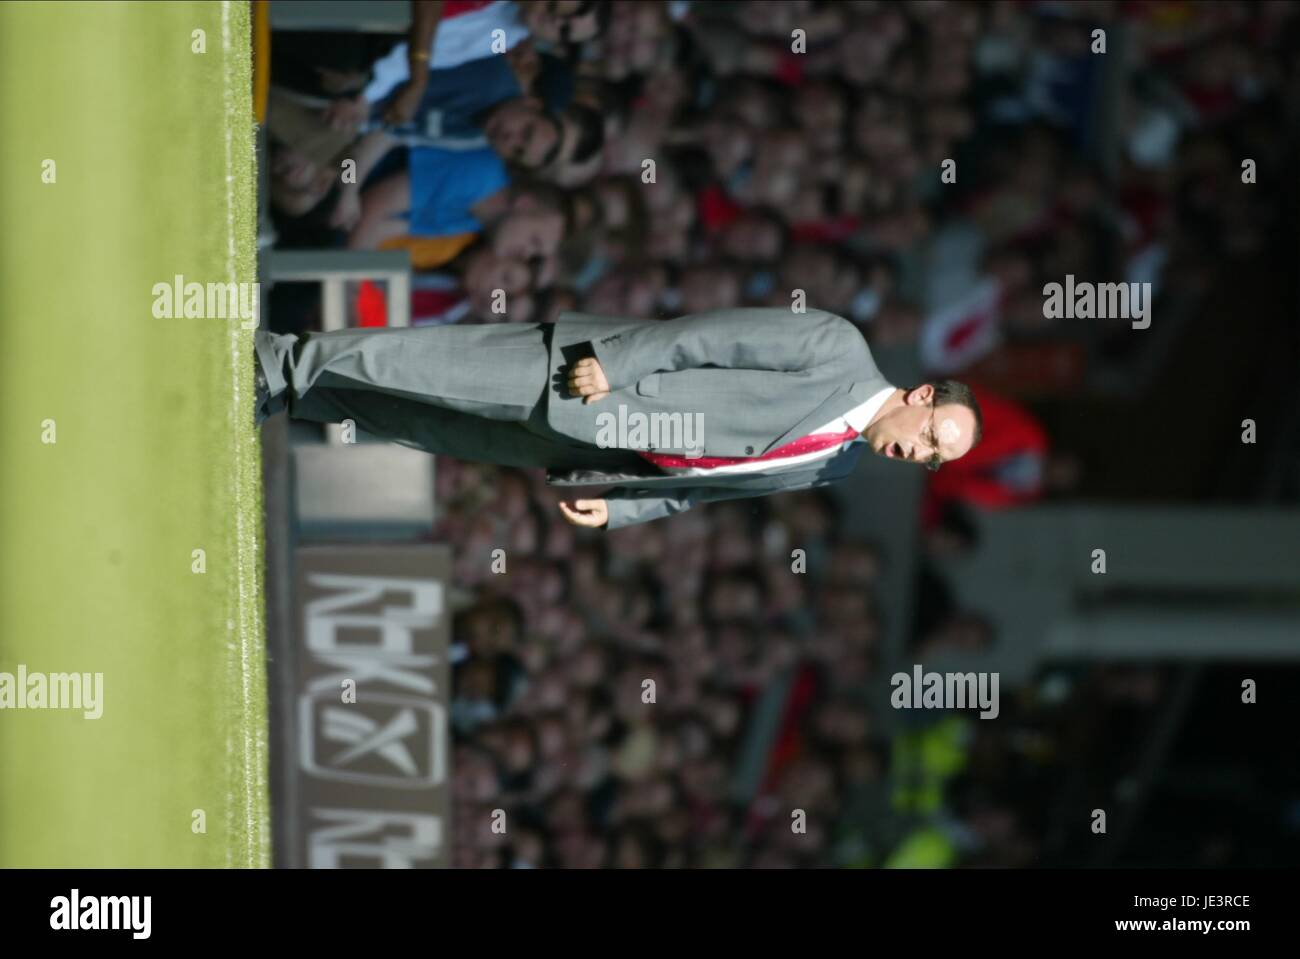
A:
(715, 406)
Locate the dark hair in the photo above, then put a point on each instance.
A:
(481, 117)
(603, 10)
(591, 131)
(952, 393)
(558, 124)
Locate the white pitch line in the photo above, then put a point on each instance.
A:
(246, 617)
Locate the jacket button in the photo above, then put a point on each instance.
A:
(749, 451)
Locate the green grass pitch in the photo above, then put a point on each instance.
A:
(154, 456)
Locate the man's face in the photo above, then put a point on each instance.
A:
(522, 133)
(560, 21)
(915, 432)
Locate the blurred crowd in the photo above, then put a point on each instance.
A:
(555, 716)
(653, 159)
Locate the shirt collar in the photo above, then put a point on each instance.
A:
(861, 415)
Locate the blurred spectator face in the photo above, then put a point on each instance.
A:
(854, 564)
(529, 849)
(729, 143)
(667, 91)
(588, 667)
(765, 18)
(478, 824)
(820, 111)
(636, 31)
(752, 239)
(754, 105)
(580, 850)
(561, 21)
(292, 169)
(627, 291)
(690, 648)
(630, 853)
(696, 740)
(669, 243)
(614, 204)
(723, 715)
(829, 280)
(735, 598)
(779, 167)
(521, 131)
(784, 593)
(552, 737)
(566, 811)
(843, 723)
(707, 288)
(528, 231)
(489, 271)
(512, 496)
(475, 778)
(297, 184)
(947, 78)
(669, 756)
(516, 308)
(488, 628)
(948, 122)
(819, 106)
(879, 136)
(901, 230)
(732, 547)
(844, 606)
(863, 53)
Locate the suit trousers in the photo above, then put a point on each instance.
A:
(477, 393)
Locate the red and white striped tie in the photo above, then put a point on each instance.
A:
(812, 443)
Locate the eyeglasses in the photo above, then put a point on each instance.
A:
(931, 441)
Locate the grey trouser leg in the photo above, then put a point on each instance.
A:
(475, 393)
(463, 436)
(498, 370)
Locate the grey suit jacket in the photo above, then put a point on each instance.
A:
(757, 378)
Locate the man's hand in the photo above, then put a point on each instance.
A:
(587, 379)
(586, 512)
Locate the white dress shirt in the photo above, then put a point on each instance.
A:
(857, 419)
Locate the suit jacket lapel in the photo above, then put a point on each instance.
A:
(837, 404)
